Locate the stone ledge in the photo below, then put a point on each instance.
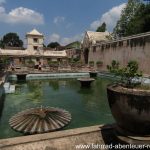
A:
(48, 136)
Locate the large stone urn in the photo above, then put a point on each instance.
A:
(131, 109)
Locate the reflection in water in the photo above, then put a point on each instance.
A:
(94, 97)
(54, 84)
(62, 83)
(34, 84)
(19, 88)
(35, 91)
(89, 98)
(21, 81)
(87, 106)
(87, 91)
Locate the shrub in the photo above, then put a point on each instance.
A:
(91, 63)
(53, 63)
(114, 66)
(99, 63)
(127, 73)
(30, 61)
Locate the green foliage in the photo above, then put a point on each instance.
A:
(109, 37)
(36, 92)
(91, 62)
(54, 84)
(140, 22)
(1, 44)
(74, 45)
(114, 66)
(30, 63)
(127, 73)
(53, 45)
(44, 45)
(127, 19)
(12, 40)
(4, 62)
(53, 63)
(99, 62)
(101, 28)
(76, 59)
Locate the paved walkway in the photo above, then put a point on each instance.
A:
(61, 140)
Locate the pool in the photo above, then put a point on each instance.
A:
(87, 106)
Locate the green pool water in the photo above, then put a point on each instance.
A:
(87, 106)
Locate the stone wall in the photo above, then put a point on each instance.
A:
(2, 99)
(130, 48)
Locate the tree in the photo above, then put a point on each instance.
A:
(101, 28)
(140, 22)
(53, 45)
(4, 62)
(1, 44)
(44, 45)
(12, 40)
(127, 15)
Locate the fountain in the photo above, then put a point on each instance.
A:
(86, 82)
(40, 120)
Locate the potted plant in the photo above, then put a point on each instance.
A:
(30, 63)
(53, 63)
(4, 63)
(91, 63)
(99, 64)
(129, 101)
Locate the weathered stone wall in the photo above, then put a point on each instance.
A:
(2, 99)
(136, 48)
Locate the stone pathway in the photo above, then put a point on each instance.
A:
(61, 140)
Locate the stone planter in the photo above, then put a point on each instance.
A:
(131, 109)
(86, 82)
(99, 65)
(93, 74)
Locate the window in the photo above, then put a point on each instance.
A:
(35, 47)
(37, 59)
(35, 40)
(49, 59)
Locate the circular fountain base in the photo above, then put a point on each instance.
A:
(86, 82)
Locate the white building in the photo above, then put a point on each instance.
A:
(91, 38)
(35, 40)
(34, 51)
